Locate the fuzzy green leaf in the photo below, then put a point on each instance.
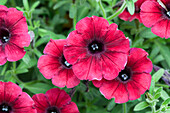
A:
(141, 106)
(158, 75)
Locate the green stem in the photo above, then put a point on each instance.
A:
(75, 21)
(4, 69)
(102, 8)
(163, 85)
(14, 73)
(153, 108)
(118, 12)
(124, 108)
(30, 22)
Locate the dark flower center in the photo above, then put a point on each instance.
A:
(65, 63)
(53, 110)
(4, 108)
(125, 74)
(96, 47)
(4, 35)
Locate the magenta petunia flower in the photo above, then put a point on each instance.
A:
(96, 49)
(13, 100)
(54, 65)
(54, 101)
(131, 82)
(157, 15)
(126, 16)
(13, 34)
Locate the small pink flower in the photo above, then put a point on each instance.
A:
(96, 49)
(13, 100)
(54, 101)
(53, 65)
(13, 34)
(131, 82)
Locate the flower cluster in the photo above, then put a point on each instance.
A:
(98, 52)
(152, 13)
(13, 100)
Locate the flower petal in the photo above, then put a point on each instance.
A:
(13, 52)
(88, 68)
(98, 83)
(135, 55)
(2, 84)
(73, 54)
(143, 65)
(41, 102)
(161, 28)
(70, 108)
(121, 94)
(14, 16)
(3, 58)
(150, 13)
(24, 104)
(11, 92)
(48, 65)
(108, 88)
(55, 47)
(65, 77)
(133, 91)
(57, 97)
(21, 40)
(143, 80)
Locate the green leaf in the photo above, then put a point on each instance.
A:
(35, 5)
(158, 75)
(72, 11)
(37, 87)
(141, 106)
(166, 102)
(156, 96)
(3, 2)
(111, 105)
(130, 6)
(23, 70)
(147, 33)
(158, 90)
(164, 51)
(26, 5)
(61, 3)
(164, 95)
(152, 87)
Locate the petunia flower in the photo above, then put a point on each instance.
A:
(54, 101)
(13, 100)
(13, 34)
(132, 81)
(53, 65)
(126, 16)
(96, 49)
(157, 16)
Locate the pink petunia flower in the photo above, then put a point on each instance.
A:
(157, 15)
(131, 82)
(53, 65)
(96, 49)
(126, 16)
(13, 34)
(13, 100)
(54, 101)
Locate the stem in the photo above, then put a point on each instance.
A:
(124, 108)
(4, 69)
(72, 92)
(14, 74)
(118, 12)
(102, 8)
(153, 108)
(75, 21)
(30, 22)
(163, 85)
